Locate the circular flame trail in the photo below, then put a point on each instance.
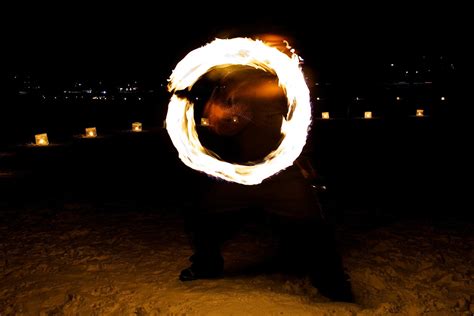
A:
(239, 51)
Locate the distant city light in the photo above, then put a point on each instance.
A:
(431, 73)
(368, 115)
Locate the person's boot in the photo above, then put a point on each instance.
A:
(336, 287)
(203, 268)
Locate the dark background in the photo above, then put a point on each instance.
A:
(142, 40)
(393, 165)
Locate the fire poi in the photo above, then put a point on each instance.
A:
(181, 125)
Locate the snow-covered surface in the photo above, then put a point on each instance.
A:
(81, 259)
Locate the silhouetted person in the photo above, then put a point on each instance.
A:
(244, 115)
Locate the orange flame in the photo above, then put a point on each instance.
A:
(239, 51)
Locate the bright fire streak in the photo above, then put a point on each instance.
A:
(239, 51)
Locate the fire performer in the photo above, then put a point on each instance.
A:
(241, 110)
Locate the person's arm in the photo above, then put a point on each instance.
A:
(306, 168)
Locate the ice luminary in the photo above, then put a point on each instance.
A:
(91, 132)
(137, 127)
(368, 115)
(325, 115)
(204, 121)
(41, 139)
(420, 112)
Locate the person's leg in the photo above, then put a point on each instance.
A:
(206, 235)
(308, 247)
(306, 240)
(326, 269)
(218, 216)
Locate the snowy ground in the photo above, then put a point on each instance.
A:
(121, 259)
(92, 227)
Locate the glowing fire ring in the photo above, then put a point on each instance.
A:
(239, 51)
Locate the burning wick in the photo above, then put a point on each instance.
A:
(204, 122)
(137, 127)
(91, 132)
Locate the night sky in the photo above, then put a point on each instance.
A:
(90, 40)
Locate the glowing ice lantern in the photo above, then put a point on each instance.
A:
(91, 132)
(137, 127)
(420, 112)
(41, 139)
(204, 121)
(325, 115)
(368, 115)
